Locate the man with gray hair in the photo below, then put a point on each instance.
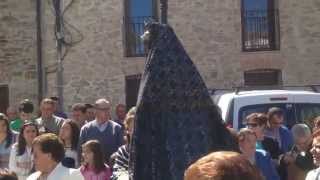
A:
(301, 131)
(103, 129)
(48, 122)
(298, 161)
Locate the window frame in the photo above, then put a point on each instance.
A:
(273, 14)
(126, 24)
(289, 116)
(277, 73)
(302, 106)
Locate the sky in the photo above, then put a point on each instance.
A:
(141, 8)
(255, 4)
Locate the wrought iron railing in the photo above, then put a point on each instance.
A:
(260, 30)
(134, 28)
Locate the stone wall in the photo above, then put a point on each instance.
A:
(301, 40)
(210, 30)
(18, 49)
(211, 33)
(95, 67)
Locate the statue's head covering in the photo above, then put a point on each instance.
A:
(176, 121)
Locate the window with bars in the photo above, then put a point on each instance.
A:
(137, 12)
(260, 25)
(262, 77)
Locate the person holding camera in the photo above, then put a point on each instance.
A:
(295, 164)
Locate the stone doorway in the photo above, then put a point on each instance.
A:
(4, 98)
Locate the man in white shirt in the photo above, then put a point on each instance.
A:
(48, 153)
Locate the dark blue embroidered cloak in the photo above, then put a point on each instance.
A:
(176, 121)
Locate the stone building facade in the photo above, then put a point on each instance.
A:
(18, 52)
(210, 30)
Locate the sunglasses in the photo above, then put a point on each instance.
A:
(102, 109)
(252, 125)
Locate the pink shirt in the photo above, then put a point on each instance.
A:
(89, 174)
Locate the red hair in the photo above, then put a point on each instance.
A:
(223, 165)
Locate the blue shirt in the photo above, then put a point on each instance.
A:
(265, 165)
(109, 134)
(4, 155)
(286, 139)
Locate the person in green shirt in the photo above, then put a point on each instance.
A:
(25, 112)
(16, 125)
(14, 121)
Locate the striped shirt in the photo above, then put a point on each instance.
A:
(121, 165)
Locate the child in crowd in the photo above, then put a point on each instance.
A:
(93, 162)
(69, 134)
(21, 153)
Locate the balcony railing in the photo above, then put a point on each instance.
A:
(260, 30)
(134, 28)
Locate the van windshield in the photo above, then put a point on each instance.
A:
(307, 112)
(293, 112)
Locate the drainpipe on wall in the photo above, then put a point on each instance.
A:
(39, 51)
(163, 11)
(59, 40)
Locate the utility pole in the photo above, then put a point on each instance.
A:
(39, 51)
(163, 11)
(59, 43)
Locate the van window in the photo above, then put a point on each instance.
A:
(306, 112)
(230, 111)
(288, 109)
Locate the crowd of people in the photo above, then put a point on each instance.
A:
(272, 152)
(89, 145)
(92, 145)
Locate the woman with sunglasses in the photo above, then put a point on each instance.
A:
(21, 153)
(6, 140)
(257, 122)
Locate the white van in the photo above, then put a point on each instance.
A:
(297, 105)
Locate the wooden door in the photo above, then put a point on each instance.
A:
(132, 89)
(4, 98)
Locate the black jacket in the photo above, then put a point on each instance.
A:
(271, 146)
